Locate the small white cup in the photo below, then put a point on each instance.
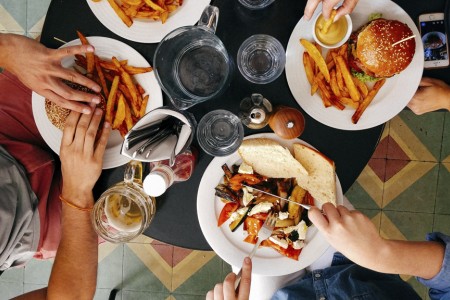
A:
(342, 41)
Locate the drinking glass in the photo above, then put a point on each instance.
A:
(191, 63)
(124, 211)
(261, 58)
(256, 4)
(220, 133)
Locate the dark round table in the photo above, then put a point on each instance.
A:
(176, 220)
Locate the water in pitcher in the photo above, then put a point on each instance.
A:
(202, 71)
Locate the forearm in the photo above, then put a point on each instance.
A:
(74, 273)
(6, 50)
(422, 259)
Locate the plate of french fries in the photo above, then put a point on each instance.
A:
(146, 21)
(129, 87)
(322, 83)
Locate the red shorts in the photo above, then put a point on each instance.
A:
(20, 137)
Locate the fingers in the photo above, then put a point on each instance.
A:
(71, 94)
(327, 7)
(310, 8)
(81, 130)
(347, 7)
(218, 292)
(92, 130)
(70, 128)
(102, 141)
(228, 286)
(318, 218)
(76, 77)
(71, 105)
(246, 279)
(71, 51)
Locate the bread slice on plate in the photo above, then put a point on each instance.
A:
(321, 181)
(270, 159)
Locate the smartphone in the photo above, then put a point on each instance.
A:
(434, 39)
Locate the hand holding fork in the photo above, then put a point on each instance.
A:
(264, 233)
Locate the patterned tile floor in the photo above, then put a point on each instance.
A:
(404, 189)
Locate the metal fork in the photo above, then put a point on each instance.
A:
(264, 233)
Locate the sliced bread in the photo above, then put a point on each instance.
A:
(270, 159)
(321, 181)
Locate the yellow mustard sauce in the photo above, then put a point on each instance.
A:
(335, 33)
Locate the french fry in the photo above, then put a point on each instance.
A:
(112, 99)
(308, 68)
(317, 56)
(333, 84)
(136, 70)
(327, 23)
(90, 61)
(343, 50)
(132, 2)
(324, 93)
(126, 79)
(362, 87)
(143, 106)
(128, 119)
(353, 91)
(120, 113)
(101, 76)
(365, 103)
(119, 11)
(349, 102)
(154, 5)
(140, 89)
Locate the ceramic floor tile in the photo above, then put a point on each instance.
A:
(110, 268)
(442, 224)
(36, 10)
(226, 269)
(145, 270)
(29, 287)
(10, 290)
(418, 287)
(142, 239)
(445, 151)
(188, 297)
(374, 215)
(103, 294)
(418, 137)
(416, 196)
(204, 279)
(38, 271)
(381, 149)
(13, 275)
(135, 295)
(443, 190)
(13, 16)
(367, 191)
(405, 225)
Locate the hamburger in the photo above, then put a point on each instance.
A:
(371, 54)
(57, 114)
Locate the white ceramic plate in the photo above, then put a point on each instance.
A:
(104, 48)
(392, 97)
(230, 245)
(148, 31)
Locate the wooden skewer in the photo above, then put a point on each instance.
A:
(59, 40)
(405, 39)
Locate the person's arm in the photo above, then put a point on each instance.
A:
(432, 94)
(225, 290)
(74, 272)
(327, 6)
(355, 236)
(39, 68)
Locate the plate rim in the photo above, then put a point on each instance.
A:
(235, 256)
(44, 124)
(331, 117)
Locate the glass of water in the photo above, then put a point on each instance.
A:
(256, 4)
(220, 133)
(261, 58)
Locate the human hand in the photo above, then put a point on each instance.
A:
(327, 6)
(81, 156)
(39, 68)
(432, 94)
(349, 232)
(226, 290)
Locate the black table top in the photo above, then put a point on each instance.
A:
(176, 220)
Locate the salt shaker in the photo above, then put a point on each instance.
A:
(162, 175)
(255, 111)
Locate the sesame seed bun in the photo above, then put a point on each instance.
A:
(373, 52)
(57, 114)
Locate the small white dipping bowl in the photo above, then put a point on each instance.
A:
(341, 42)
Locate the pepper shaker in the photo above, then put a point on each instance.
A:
(255, 111)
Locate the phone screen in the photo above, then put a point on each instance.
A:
(434, 40)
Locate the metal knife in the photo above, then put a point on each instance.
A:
(305, 206)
